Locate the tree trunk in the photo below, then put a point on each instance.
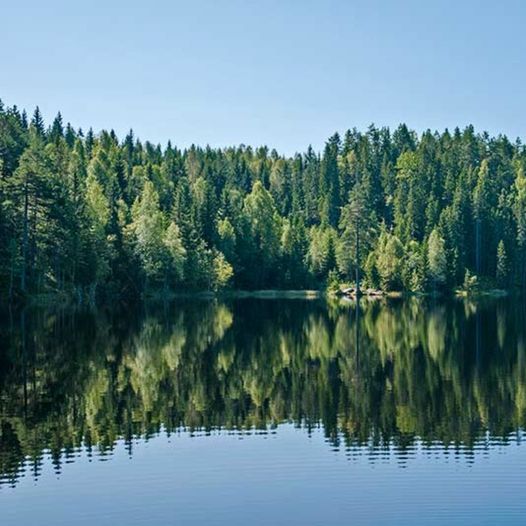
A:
(357, 258)
(25, 241)
(477, 247)
(12, 273)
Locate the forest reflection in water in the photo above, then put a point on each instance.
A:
(386, 377)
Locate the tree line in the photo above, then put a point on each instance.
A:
(91, 215)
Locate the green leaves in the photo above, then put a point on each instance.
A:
(157, 243)
(174, 243)
(389, 261)
(437, 259)
(410, 212)
(265, 229)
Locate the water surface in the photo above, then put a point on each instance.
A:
(265, 412)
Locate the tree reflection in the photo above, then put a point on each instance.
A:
(377, 375)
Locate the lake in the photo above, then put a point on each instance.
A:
(265, 411)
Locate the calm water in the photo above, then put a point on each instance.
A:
(265, 412)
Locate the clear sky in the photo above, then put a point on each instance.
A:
(283, 73)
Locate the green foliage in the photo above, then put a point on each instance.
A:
(148, 229)
(294, 247)
(265, 231)
(333, 281)
(436, 259)
(502, 265)
(357, 222)
(227, 238)
(98, 214)
(389, 261)
(402, 373)
(519, 209)
(414, 267)
(88, 214)
(174, 243)
(471, 283)
(321, 253)
(223, 271)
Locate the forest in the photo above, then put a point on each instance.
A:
(92, 216)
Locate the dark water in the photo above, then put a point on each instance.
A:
(265, 412)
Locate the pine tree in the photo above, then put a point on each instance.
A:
(250, 217)
(482, 206)
(520, 218)
(57, 129)
(37, 122)
(321, 252)
(329, 182)
(31, 192)
(356, 224)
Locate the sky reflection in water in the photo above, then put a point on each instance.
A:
(265, 411)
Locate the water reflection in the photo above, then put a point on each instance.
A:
(383, 379)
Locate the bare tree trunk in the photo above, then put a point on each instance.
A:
(24, 356)
(12, 274)
(477, 246)
(34, 249)
(357, 257)
(25, 238)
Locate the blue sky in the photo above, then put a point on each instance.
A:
(283, 73)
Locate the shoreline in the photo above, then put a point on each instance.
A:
(66, 299)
